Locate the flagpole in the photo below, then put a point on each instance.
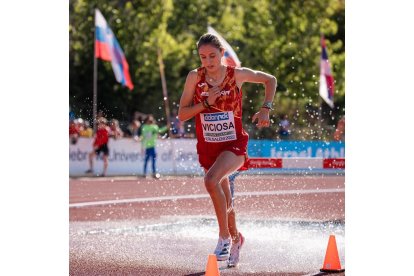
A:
(167, 106)
(164, 90)
(95, 82)
(320, 118)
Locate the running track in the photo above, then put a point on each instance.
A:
(116, 222)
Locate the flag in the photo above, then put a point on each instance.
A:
(326, 80)
(230, 57)
(107, 48)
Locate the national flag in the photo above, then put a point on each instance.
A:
(108, 49)
(230, 57)
(326, 80)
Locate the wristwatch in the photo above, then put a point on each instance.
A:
(267, 105)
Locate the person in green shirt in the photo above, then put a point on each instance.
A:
(148, 137)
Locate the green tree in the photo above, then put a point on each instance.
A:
(276, 36)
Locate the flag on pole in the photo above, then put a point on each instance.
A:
(326, 80)
(230, 57)
(107, 48)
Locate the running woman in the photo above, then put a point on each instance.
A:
(212, 93)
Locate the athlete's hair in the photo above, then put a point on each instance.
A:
(209, 39)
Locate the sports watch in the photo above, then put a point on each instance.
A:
(267, 105)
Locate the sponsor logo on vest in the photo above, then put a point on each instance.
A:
(201, 84)
(204, 94)
(216, 117)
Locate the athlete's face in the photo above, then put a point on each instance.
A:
(210, 57)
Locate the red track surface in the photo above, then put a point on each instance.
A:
(286, 206)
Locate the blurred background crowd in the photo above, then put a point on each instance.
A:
(79, 127)
(283, 129)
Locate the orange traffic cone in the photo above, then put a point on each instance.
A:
(332, 262)
(212, 267)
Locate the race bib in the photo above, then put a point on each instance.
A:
(218, 127)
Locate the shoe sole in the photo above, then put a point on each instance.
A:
(234, 265)
(225, 258)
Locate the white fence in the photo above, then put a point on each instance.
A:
(179, 157)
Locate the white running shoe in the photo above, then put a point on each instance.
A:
(235, 252)
(222, 250)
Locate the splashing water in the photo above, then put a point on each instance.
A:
(270, 245)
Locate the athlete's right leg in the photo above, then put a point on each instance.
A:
(226, 163)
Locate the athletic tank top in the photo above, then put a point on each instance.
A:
(220, 125)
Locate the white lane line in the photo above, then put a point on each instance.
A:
(195, 196)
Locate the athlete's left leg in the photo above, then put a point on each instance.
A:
(231, 223)
(228, 189)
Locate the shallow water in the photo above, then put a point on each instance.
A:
(186, 241)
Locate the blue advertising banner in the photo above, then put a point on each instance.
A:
(283, 149)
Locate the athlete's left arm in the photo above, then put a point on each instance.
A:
(270, 82)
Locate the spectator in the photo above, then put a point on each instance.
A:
(71, 114)
(86, 131)
(284, 128)
(133, 129)
(149, 135)
(80, 124)
(139, 116)
(339, 134)
(73, 132)
(116, 131)
(100, 145)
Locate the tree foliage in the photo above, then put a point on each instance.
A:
(276, 36)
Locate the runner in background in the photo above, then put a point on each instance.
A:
(149, 136)
(100, 145)
(212, 94)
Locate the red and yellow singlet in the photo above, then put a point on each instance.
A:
(220, 128)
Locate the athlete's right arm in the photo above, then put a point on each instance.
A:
(186, 110)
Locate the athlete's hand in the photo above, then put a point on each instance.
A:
(213, 94)
(262, 118)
